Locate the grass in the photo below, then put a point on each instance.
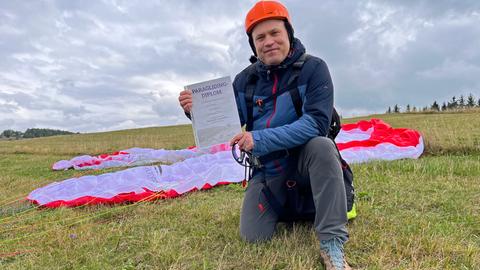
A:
(413, 214)
(172, 137)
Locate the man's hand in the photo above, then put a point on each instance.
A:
(185, 99)
(244, 141)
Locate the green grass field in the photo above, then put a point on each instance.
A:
(412, 214)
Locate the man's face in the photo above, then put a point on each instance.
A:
(271, 41)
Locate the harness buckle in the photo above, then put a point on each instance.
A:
(259, 103)
(291, 183)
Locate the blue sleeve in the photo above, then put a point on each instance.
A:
(315, 121)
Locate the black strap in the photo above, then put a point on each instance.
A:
(294, 93)
(297, 101)
(249, 100)
(292, 88)
(297, 68)
(335, 125)
(249, 92)
(301, 60)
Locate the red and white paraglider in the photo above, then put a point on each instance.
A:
(192, 169)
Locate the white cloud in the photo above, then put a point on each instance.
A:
(10, 30)
(105, 65)
(452, 69)
(390, 28)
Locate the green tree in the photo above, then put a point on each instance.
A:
(408, 108)
(444, 106)
(435, 106)
(396, 108)
(470, 101)
(453, 104)
(43, 132)
(461, 102)
(389, 111)
(10, 133)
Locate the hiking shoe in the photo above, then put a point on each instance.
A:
(332, 255)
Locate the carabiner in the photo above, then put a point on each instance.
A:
(240, 159)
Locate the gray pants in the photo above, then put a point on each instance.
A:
(319, 170)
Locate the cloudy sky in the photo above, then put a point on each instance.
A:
(88, 66)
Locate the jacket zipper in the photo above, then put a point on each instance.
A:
(274, 90)
(278, 167)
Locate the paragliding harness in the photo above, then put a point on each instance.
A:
(295, 200)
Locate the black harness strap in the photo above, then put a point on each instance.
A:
(297, 67)
(294, 93)
(297, 101)
(291, 88)
(249, 100)
(249, 92)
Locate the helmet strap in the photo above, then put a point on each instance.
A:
(252, 44)
(289, 28)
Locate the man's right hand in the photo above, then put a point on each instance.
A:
(185, 99)
(244, 141)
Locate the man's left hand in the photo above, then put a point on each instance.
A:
(244, 141)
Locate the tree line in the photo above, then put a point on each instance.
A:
(454, 104)
(32, 133)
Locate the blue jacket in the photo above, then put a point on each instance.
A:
(277, 126)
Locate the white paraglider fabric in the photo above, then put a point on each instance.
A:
(142, 183)
(194, 169)
(376, 140)
(133, 157)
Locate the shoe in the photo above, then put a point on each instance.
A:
(332, 255)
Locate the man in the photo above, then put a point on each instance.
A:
(301, 166)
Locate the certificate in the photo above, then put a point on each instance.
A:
(214, 112)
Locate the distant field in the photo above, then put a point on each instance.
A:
(413, 214)
(443, 133)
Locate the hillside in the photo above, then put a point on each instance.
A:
(413, 214)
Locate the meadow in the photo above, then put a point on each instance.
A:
(412, 214)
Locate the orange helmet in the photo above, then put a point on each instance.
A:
(264, 10)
